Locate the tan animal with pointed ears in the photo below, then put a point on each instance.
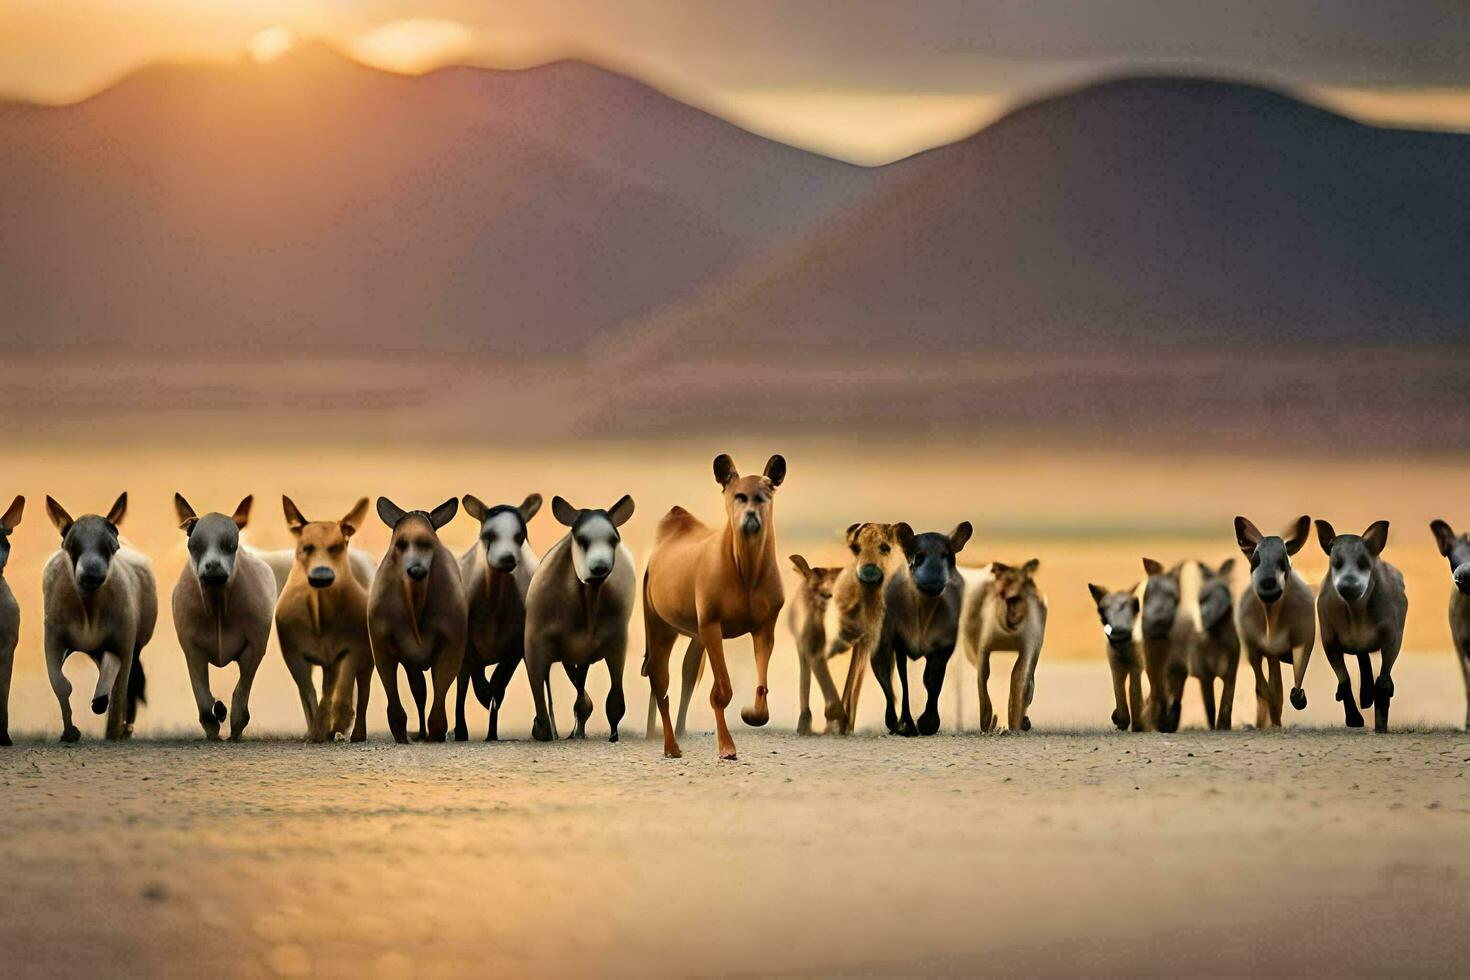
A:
(1276, 617)
(855, 615)
(1005, 611)
(807, 621)
(9, 615)
(321, 619)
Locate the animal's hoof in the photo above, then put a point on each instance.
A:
(727, 756)
(339, 737)
(400, 739)
(1344, 693)
(673, 753)
(1354, 720)
(1120, 719)
(540, 730)
(613, 737)
(804, 723)
(928, 724)
(359, 736)
(461, 735)
(420, 737)
(5, 739)
(219, 711)
(1365, 697)
(1025, 723)
(755, 717)
(71, 734)
(99, 705)
(1298, 698)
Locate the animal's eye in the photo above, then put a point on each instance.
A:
(884, 549)
(1363, 564)
(400, 544)
(919, 559)
(760, 498)
(1337, 563)
(308, 549)
(856, 549)
(335, 549)
(741, 498)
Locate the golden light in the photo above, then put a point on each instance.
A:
(413, 46)
(269, 44)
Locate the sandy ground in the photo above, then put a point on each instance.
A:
(1306, 851)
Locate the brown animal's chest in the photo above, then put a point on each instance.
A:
(1359, 633)
(497, 625)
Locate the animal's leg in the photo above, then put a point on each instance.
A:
(300, 670)
(1301, 656)
(419, 688)
(614, 705)
(659, 643)
(443, 672)
(1178, 678)
(461, 691)
(764, 641)
(1032, 657)
(1352, 717)
(582, 702)
(1263, 688)
(804, 693)
(134, 689)
(1383, 689)
(55, 657)
(935, 666)
(1465, 672)
(397, 717)
(364, 689)
(536, 671)
(240, 700)
(857, 668)
(7, 664)
(107, 670)
(722, 693)
(1136, 701)
(119, 724)
(689, 677)
(335, 709)
(1275, 690)
(209, 715)
(1207, 694)
(901, 720)
(1365, 681)
(1227, 694)
(1120, 694)
(982, 686)
(499, 684)
(1016, 713)
(836, 717)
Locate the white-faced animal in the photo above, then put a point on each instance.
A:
(1361, 609)
(577, 611)
(1119, 614)
(1456, 548)
(100, 600)
(9, 615)
(223, 604)
(1276, 616)
(1004, 611)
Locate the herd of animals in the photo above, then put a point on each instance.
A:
(467, 622)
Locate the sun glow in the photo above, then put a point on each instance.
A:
(413, 46)
(269, 44)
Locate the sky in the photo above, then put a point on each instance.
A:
(864, 80)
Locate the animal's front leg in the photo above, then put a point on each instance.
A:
(1383, 689)
(300, 669)
(1301, 657)
(1136, 702)
(764, 640)
(935, 667)
(499, 684)
(462, 688)
(803, 693)
(836, 717)
(581, 700)
(721, 693)
(118, 724)
(60, 686)
(335, 707)
(388, 674)
(363, 687)
(1276, 690)
(883, 661)
(1120, 695)
(240, 699)
(444, 671)
(1365, 681)
(211, 712)
(1352, 717)
(616, 657)
(1207, 696)
(536, 670)
(1227, 694)
(108, 667)
(982, 687)
(419, 688)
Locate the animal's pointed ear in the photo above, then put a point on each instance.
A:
(565, 513)
(474, 507)
(959, 536)
(800, 564)
(725, 470)
(1098, 592)
(187, 517)
(620, 512)
(904, 535)
(1444, 536)
(59, 517)
(1376, 537)
(295, 520)
(444, 513)
(241, 517)
(1325, 536)
(530, 507)
(1152, 567)
(1297, 535)
(119, 509)
(852, 530)
(1029, 569)
(999, 568)
(1226, 567)
(776, 469)
(353, 521)
(1247, 535)
(389, 512)
(10, 520)
(1176, 570)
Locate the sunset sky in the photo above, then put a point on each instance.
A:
(865, 80)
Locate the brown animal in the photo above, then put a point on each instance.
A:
(1361, 607)
(855, 615)
(1167, 632)
(9, 615)
(101, 600)
(1004, 610)
(223, 604)
(1119, 614)
(416, 613)
(321, 619)
(712, 585)
(1276, 617)
(1457, 549)
(1214, 649)
(807, 621)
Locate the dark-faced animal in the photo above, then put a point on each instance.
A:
(9, 615)
(222, 605)
(496, 573)
(1166, 637)
(1276, 616)
(1361, 609)
(807, 622)
(1004, 611)
(1118, 612)
(577, 612)
(321, 620)
(416, 615)
(1214, 649)
(1456, 548)
(712, 584)
(100, 600)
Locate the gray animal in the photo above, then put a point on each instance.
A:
(1214, 650)
(9, 615)
(1119, 614)
(1456, 547)
(223, 605)
(577, 612)
(1167, 632)
(496, 573)
(1275, 616)
(1361, 607)
(101, 600)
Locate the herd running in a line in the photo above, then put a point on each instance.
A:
(466, 623)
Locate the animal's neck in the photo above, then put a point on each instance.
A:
(416, 597)
(750, 552)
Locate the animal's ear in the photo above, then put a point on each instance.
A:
(474, 507)
(1247, 535)
(58, 515)
(1296, 536)
(776, 469)
(799, 563)
(1376, 537)
(389, 512)
(1176, 570)
(10, 520)
(1444, 536)
(619, 512)
(1152, 567)
(354, 518)
(1029, 569)
(959, 536)
(564, 512)
(444, 513)
(119, 509)
(187, 517)
(241, 517)
(1098, 592)
(530, 507)
(1226, 567)
(852, 530)
(999, 568)
(294, 518)
(904, 535)
(725, 470)
(1325, 535)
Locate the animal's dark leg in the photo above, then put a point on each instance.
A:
(1383, 689)
(582, 705)
(397, 717)
(1207, 693)
(935, 666)
(137, 691)
(1227, 693)
(420, 690)
(1120, 694)
(499, 683)
(885, 657)
(804, 693)
(1365, 681)
(461, 691)
(1352, 716)
(615, 706)
(536, 675)
(363, 685)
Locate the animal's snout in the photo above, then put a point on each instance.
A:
(870, 574)
(91, 575)
(751, 524)
(213, 573)
(931, 584)
(1268, 591)
(418, 572)
(320, 577)
(506, 562)
(599, 570)
(1351, 589)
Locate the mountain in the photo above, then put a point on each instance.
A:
(315, 203)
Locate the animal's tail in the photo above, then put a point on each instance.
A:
(137, 686)
(643, 671)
